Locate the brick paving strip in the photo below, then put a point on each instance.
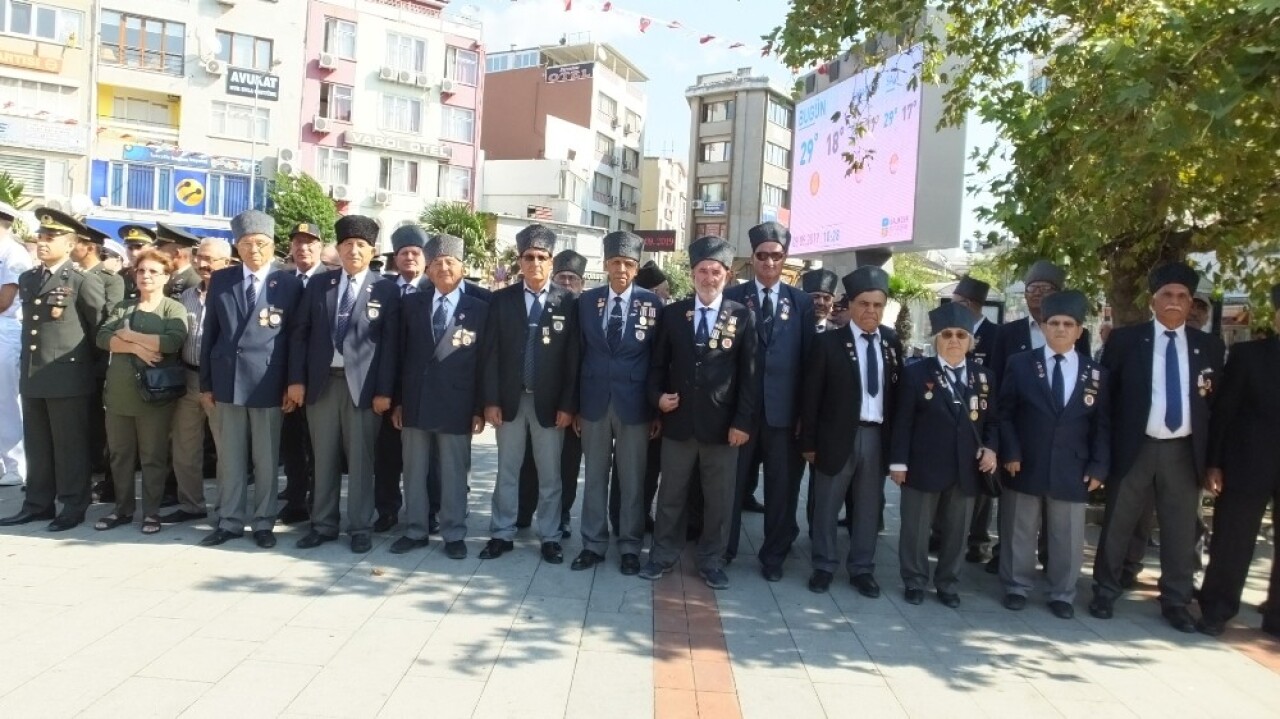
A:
(692, 676)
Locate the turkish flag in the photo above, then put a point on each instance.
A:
(706, 39)
(644, 23)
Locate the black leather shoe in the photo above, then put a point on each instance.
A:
(361, 544)
(993, 566)
(312, 539)
(293, 514)
(751, 504)
(819, 581)
(1128, 579)
(1062, 610)
(844, 523)
(565, 531)
(455, 550)
(975, 556)
(630, 565)
(433, 525)
(496, 548)
(586, 559)
(1179, 618)
(385, 522)
(949, 599)
(914, 596)
(62, 524)
(866, 585)
(404, 545)
(26, 518)
(1271, 626)
(715, 578)
(216, 537)
(771, 572)
(1014, 602)
(1101, 608)
(182, 515)
(552, 553)
(264, 538)
(169, 500)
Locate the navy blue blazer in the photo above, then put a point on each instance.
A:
(439, 382)
(1057, 449)
(934, 436)
(617, 377)
(1246, 418)
(1128, 356)
(244, 352)
(779, 357)
(1014, 337)
(558, 354)
(370, 346)
(984, 342)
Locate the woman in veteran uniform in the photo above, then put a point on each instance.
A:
(139, 333)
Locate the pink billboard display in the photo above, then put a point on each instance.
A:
(833, 209)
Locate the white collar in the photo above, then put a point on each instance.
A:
(625, 295)
(761, 288)
(260, 274)
(454, 297)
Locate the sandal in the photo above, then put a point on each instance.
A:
(151, 525)
(111, 521)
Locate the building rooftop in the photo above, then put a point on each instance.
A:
(731, 80)
(602, 53)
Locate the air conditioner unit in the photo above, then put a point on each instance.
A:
(615, 124)
(214, 66)
(320, 124)
(340, 192)
(630, 129)
(387, 73)
(423, 80)
(446, 86)
(285, 168)
(228, 3)
(405, 77)
(327, 61)
(696, 204)
(382, 197)
(285, 154)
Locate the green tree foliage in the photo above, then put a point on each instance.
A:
(679, 276)
(11, 192)
(459, 220)
(297, 199)
(1155, 137)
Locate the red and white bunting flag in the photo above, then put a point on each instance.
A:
(674, 25)
(606, 7)
(568, 5)
(644, 23)
(706, 39)
(737, 45)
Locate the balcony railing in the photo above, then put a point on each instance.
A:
(607, 158)
(604, 198)
(627, 205)
(145, 127)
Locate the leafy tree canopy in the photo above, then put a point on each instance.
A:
(298, 199)
(474, 228)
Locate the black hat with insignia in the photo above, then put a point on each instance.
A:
(56, 222)
(94, 235)
(650, 276)
(710, 248)
(769, 232)
(1071, 303)
(868, 278)
(972, 289)
(310, 229)
(536, 237)
(357, 227)
(569, 261)
(623, 244)
(951, 316)
(1174, 273)
(176, 235)
(824, 281)
(136, 235)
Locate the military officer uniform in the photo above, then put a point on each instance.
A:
(175, 242)
(113, 290)
(63, 308)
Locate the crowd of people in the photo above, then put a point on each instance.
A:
(675, 408)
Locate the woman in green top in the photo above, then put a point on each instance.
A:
(140, 332)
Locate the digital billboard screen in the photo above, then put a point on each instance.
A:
(833, 209)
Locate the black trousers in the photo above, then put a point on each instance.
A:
(1237, 517)
(783, 468)
(570, 468)
(98, 431)
(58, 463)
(295, 454)
(388, 463)
(652, 468)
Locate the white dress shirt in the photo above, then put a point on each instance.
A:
(872, 408)
(529, 296)
(14, 260)
(712, 316)
(451, 301)
(407, 287)
(1155, 420)
(305, 277)
(357, 281)
(608, 307)
(1070, 369)
(1036, 334)
(259, 285)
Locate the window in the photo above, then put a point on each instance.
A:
(457, 123)
(401, 114)
(624, 226)
(774, 196)
(604, 149)
(42, 22)
(39, 96)
(606, 107)
(241, 122)
(406, 53)
(142, 42)
(630, 160)
(779, 114)
(335, 101)
(228, 195)
(455, 183)
(512, 60)
(143, 112)
(599, 220)
(572, 187)
(398, 175)
(718, 151)
(333, 166)
(462, 66)
(628, 197)
(632, 124)
(777, 155)
(139, 187)
(340, 38)
(717, 111)
(245, 51)
(712, 191)
(711, 229)
(602, 189)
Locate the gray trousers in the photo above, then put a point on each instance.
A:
(864, 471)
(335, 425)
(602, 442)
(248, 432)
(452, 453)
(1022, 517)
(187, 437)
(953, 510)
(1168, 468)
(717, 468)
(146, 438)
(547, 443)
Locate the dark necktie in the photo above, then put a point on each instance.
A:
(1172, 384)
(957, 383)
(873, 364)
(344, 314)
(703, 334)
(302, 277)
(440, 319)
(1058, 387)
(615, 325)
(766, 312)
(251, 292)
(531, 339)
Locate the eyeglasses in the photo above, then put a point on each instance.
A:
(771, 256)
(536, 259)
(254, 245)
(1040, 288)
(147, 271)
(1062, 324)
(954, 335)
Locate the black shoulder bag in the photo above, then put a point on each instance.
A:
(164, 382)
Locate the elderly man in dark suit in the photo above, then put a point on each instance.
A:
(702, 378)
(438, 401)
(62, 307)
(1244, 471)
(1163, 377)
(785, 329)
(849, 383)
(945, 432)
(250, 311)
(821, 286)
(619, 326)
(342, 368)
(530, 389)
(1055, 442)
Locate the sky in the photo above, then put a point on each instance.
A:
(672, 59)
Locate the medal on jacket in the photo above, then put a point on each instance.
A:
(262, 317)
(546, 335)
(373, 309)
(973, 409)
(928, 390)
(784, 312)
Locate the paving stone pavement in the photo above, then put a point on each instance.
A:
(110, 624)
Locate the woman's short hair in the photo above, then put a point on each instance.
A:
(153, 255)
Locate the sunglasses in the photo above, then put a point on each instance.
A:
(953, 335)
(536, 259)
(771, 256)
